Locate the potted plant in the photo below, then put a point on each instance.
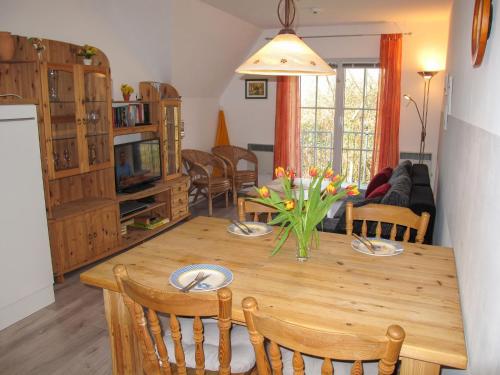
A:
(300, 212)
(126, 91)
(87, 52)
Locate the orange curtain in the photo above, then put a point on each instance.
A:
(386, 144)
(222, 137)
(287, 126)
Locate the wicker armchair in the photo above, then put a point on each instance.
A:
(200, 166)
(232, 155)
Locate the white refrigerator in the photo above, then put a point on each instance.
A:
(26, 282)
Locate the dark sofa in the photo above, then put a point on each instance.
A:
(410, 187)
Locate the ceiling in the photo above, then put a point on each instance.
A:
(262, 13)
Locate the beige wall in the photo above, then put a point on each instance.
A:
(134, 38)
(252, 121)
(469, 176)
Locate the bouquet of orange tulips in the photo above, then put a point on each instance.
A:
(299, 214)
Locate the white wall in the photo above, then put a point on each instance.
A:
(252, 121)
(206, 44)
(133, 37)
(469, 176)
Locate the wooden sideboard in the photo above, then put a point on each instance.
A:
(76, 133)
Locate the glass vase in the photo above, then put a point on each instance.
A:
(303, 247)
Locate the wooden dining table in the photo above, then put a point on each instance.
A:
(337, 289)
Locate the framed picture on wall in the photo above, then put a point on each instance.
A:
(255, 88)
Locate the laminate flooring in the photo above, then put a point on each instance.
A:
(69, 336)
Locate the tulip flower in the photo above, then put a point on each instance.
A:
(289, 204)
(279, 172)
(313, 171)
(328, 173)
(336, 179)
(264, 192)
(352, 190)
(290, 173)
(331, 189)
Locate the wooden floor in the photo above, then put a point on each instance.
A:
(70, 336)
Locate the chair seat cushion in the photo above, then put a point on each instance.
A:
(312, 365)
(242, 354)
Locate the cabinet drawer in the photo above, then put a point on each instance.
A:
(179, 213)
(180, 188)
(180, 200)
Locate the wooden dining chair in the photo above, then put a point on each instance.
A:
(327, 346)
(210, 351)
(392, 216)
(200, 166)
(255, 210)
(232, 155)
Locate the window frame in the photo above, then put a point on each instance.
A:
(337, 149)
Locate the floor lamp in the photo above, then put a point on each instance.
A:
(427, 76)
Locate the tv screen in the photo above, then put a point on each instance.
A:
(136, 164)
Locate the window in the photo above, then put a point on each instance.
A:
(339, 114)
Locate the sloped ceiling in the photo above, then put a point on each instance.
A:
(263, 12)
(206, 46)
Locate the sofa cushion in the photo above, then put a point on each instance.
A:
(404, 168)
(422, 200)
(399, 193)
(379, 179)
(420, 175)
(380, 191)
(337, 223)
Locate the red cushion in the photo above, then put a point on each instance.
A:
(380, 178)
(387, 171)
(380, 191)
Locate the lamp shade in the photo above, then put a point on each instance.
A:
(285, 55)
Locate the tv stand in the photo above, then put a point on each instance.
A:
(137, 188)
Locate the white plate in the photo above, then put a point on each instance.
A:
(219, 277)
(388, 248)
(258, 229)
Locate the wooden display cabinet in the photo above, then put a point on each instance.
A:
(76, 144)
(166, 110)
(77, 118)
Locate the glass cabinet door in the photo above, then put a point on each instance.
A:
(172, 139)
(63, 120)
(96, 117)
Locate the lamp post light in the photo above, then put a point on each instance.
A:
(422, 115)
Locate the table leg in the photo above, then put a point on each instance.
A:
(125, 351)
(415, 367)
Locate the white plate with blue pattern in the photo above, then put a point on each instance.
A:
(219, 277)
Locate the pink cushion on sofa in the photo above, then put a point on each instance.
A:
(380, 191)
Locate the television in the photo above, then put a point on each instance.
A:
(137, 165)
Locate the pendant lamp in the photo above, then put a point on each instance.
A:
(286, 54)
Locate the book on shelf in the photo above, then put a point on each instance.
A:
(150, 224)
(130, 114)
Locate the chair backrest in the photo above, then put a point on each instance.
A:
(326, 345)
(255, 209)
(195, 159)
(393, 216)
(143, 304)
(233, 154)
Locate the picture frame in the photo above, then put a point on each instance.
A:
(255, 88)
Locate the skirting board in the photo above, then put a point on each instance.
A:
(26, 306)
